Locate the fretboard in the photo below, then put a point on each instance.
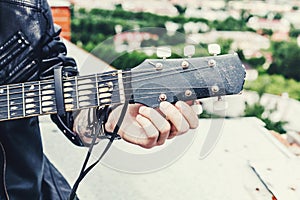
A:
(38, 97)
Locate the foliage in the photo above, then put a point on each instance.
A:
(129, 60)
(274, 84)
(231, 24)
(294, 32)
(256, 62)
(90, 28)
(286, 59)
(268, 32)
(257, 110)
(225, 45)
(181, 10)
(98, 24)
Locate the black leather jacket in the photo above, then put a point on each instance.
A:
(26, 27)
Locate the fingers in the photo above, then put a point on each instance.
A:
(147, 127)
(161, 124)
(175, 116)
(188, 113)
(135, 128)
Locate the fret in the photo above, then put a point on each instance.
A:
(86, 91)
(70, 96)
(23, 99)
(47, 97)
(121, 86)
(76, 89)
(8, 107)
(108, 88)
(16, 106)
(32, 98)
(3, 103)
(40, 98)
(97, 86)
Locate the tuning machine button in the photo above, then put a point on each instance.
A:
(189, 51)
(214, 49)
(220, 104)
(163, 52)
(197, 107)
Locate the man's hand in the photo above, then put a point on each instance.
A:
(148, 127)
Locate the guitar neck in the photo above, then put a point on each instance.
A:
(149, 83)
(38, 97)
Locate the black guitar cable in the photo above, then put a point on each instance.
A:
(98, 130)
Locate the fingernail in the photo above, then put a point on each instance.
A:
(164, 105)
(197, 109)
(142, 109)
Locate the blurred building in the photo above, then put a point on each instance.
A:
(62, 16)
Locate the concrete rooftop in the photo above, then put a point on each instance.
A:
(247, 163)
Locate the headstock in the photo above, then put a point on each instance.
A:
(157, 80)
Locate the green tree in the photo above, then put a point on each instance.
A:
(286, 59)
(257, 110)
(181, 9)
(225, 45)
(294, 32)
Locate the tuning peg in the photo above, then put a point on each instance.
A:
(163, 52)
(189, 50)
(197, 107)
(214, 49)
(220, 104)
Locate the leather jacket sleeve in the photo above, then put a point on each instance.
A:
(26, 26)
(30, 48)
(26, 31)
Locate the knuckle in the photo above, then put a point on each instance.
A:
(147, 145)
(195, 124)
(165, 129)
(109, 127)
(160, 142)
(184, 128)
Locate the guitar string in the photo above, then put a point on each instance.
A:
(80, 78)
(92, 77)
(20, 99)
(51, 82)
(139, 73)
(78, 85)
(51, 90)
(71, 103)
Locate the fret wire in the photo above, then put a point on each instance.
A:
(76, 89)
(97, 86)
(23, 96)
(40, 98)
(8, 106)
